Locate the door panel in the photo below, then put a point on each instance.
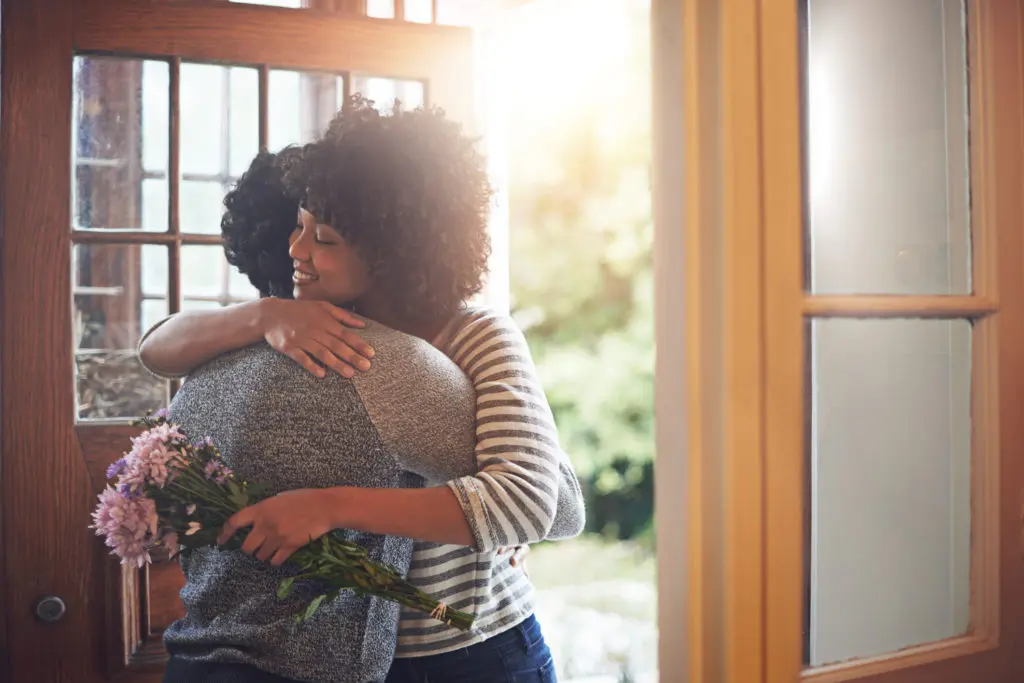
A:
(111, 191)
(898, 416)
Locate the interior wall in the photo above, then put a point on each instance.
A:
(890, 400)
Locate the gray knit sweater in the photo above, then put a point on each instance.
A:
(409, 418)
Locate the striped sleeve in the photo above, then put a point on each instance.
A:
(512, 499)
(570, 514)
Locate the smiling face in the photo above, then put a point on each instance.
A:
(326, 267)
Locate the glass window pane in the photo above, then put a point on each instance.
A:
(203, 102)
(890, 478)
(419, 11)
(244, 119)
(199, 305)
(380, 9)
(459, 12)
(201, 206)
(887, 138)
(239, 287)
(154, 271)
(384, 91)
(119, 130)
(155, 116)
(111, 311)
(154, 204)
(301, 105)
(204, 272)
(207, 280)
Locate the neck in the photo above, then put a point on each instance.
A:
(382, 313)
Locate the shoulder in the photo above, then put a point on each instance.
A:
(390, 345)
(477, 321)
(403, 358)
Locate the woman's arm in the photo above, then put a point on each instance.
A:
(571, 513)
(524, 492)
(177, 345)
(302, 330)
(525, 489)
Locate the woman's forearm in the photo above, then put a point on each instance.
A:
(428, 514)
(187, 340)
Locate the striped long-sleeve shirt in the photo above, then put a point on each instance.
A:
(524, 491)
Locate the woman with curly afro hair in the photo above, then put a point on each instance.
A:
(392, 226)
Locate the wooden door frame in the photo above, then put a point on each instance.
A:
(47, 548)
(994, 644)
(730, 581)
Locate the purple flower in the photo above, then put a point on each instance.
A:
(116, 468)
(128, 525)
(217, 471)
(160, 414)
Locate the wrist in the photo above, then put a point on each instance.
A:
(260, 313)
(337, 500)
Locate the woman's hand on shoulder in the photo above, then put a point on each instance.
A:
(308, 330)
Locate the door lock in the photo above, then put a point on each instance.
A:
(50, 609)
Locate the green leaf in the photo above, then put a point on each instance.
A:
(284, 589)
(313, 606)
(239, 497)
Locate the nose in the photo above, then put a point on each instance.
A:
(299, 247)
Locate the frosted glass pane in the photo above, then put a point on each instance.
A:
(887, 138)
(890, 485)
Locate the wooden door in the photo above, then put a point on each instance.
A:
(847, 263)
(124, 121)
(894, 341)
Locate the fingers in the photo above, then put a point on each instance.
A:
(303, 359)
(267, 549)
(356, 343)
(332, 356)
(346, 349)
(519, 554)
(345, 317)
(239, 520)
(282, 555)
(254, 541)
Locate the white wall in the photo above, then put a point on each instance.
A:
(890, 399)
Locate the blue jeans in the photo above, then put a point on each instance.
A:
(518, 655)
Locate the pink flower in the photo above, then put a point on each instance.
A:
(128, 525)
(153, 457)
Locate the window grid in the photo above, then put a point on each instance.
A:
(147, 302)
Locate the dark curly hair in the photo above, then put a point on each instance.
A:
(259, 217)
(409, 191)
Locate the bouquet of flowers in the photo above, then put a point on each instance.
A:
(175, 493)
